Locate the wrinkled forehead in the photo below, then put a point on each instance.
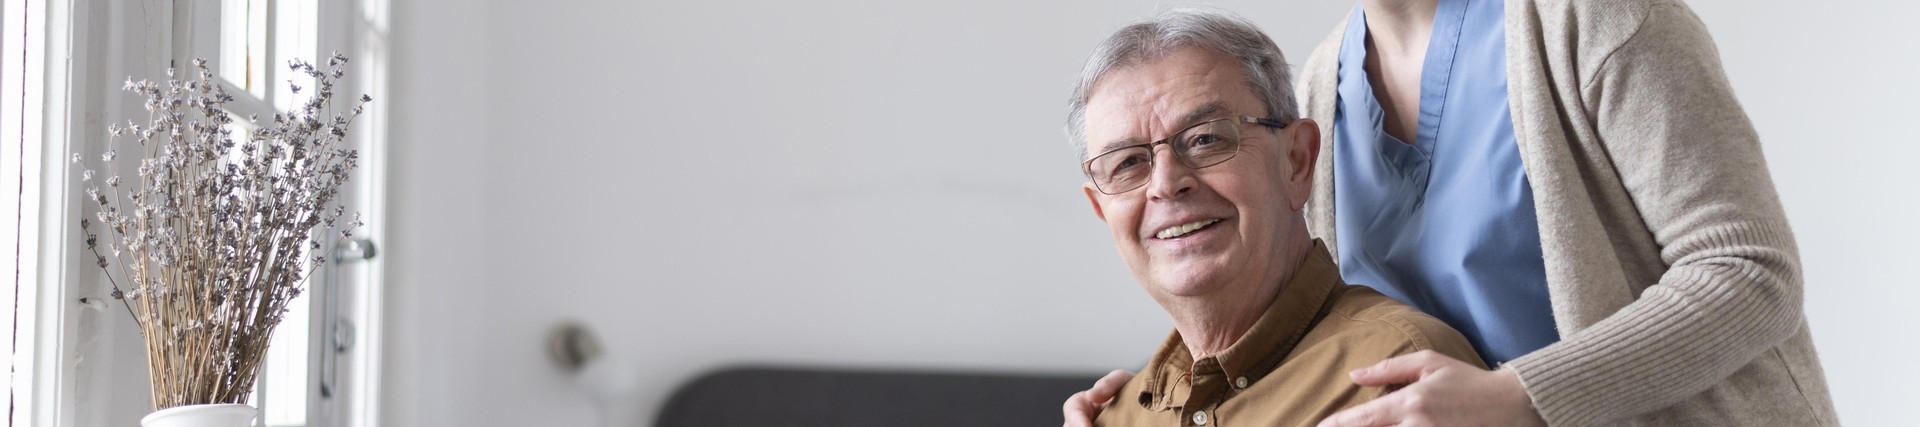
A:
(1151, 99)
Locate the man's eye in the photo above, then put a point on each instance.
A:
(1129, 162)
(1204, 139)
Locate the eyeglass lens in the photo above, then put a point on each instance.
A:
(1205, 144)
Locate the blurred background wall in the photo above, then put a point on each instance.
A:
(876, 183)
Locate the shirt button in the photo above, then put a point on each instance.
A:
(1240, 382)
(1200, 418)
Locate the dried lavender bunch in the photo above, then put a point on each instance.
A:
(215, 236)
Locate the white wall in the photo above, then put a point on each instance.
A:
(884, 184)
(1830, 87)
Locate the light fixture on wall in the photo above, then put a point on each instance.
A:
(573, 346)
(578, 351)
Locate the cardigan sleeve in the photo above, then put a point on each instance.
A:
(1691, 162)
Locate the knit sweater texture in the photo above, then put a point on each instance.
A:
(1674, 277)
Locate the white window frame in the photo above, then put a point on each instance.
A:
(39, 385)
(52, 108)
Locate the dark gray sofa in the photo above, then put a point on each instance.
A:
(800, 396)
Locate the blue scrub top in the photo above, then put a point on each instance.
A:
(1445, 224)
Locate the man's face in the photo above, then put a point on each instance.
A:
(1246, 209)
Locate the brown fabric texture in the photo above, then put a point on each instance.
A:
(1673, 274)
(1291, 368)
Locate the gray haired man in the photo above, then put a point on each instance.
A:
(1199, 164)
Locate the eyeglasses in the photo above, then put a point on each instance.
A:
(1202, 145)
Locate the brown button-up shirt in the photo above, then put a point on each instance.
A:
(1291, 368)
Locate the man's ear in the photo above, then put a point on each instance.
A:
(1303, 153)
(1093, 197)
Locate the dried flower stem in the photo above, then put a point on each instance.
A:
(217, 235)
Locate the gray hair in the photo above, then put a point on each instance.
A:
(1222, 31)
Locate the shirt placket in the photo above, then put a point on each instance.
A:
(1206, 387)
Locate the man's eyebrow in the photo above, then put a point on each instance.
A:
(1204, 112)
(1116, 144)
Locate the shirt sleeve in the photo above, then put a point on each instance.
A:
(1692, 164)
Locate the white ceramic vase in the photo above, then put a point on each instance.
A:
(210, 415)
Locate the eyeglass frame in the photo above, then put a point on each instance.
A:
(1086, 167)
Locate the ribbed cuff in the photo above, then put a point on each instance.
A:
(1674, 342)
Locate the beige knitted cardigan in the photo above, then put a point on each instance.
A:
(1675, 283)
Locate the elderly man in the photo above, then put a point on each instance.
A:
(1198, 164)
(1573, 185)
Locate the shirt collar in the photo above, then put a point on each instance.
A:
(1353, 46)
(1174, 378)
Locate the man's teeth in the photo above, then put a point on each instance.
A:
(1183, 229)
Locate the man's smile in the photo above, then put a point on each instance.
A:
(1184, 229)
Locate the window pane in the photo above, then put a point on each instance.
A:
(294, 38)
(257, 41)
(283, 384)
(285, 403)
(243, 45)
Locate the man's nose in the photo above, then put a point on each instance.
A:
(1171, 177)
